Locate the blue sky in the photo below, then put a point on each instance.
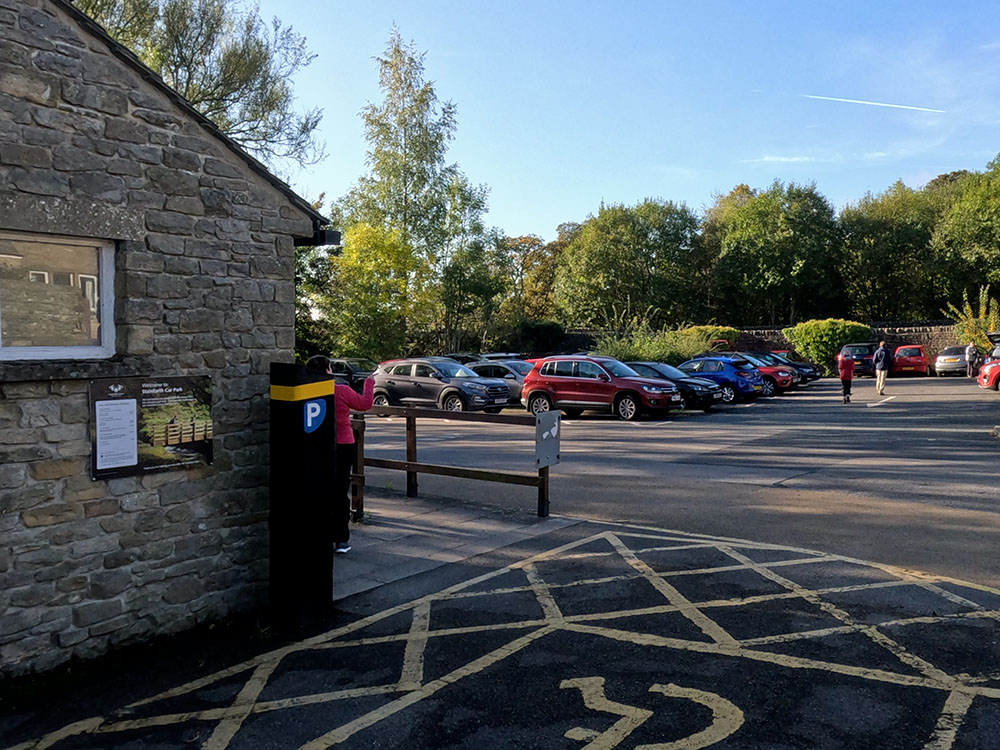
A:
(562, 105)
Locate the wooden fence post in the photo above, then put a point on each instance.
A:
(358, 478)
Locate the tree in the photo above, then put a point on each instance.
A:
(777, 256)
(231, 66)
(540, 264)
(890, 270)
(627, 261)
(410, 189)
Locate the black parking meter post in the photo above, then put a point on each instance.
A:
(303, 441)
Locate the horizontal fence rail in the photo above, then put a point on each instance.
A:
(412, 467)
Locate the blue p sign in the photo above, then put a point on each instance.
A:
(313, 413)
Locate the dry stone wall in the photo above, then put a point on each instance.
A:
(203, 286)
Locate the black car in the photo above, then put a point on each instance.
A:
(863, 355)
(352, 370)
(437, 382)
(805, 370)
(464, 357)
(699, 393)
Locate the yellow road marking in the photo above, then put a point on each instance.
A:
(227, 728)
(726, 718)
(951, 718)
(412, 673)
(592, 691)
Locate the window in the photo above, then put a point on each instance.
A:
(423, 371)
(711, 366)
(338, 368)
(401, 369)
(56, 297)
(563, 369)
(588, 370)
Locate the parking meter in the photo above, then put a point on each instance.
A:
(300, 521)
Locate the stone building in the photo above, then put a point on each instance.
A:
(135, 240)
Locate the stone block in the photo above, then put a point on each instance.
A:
(139, 340)
(120, 558)
(172, 181)
(110, 626)
(202, 248)
(144, 261)
(185, 205)
(169, 222)
(73, 448)
(140, 153)
(58, 468)
(74, 410)
(178, 158)
(32, 596)
(273, 314)
(71, 637)
(142, 310)
(167, 287)
(26, 497)
(25, 86)
(21, 155)
(183, 590)
(22, 453)
(12, 475)
(138, 501)
(196, 321)
(161, 478)
(49, 515)
(172, 344)
(92, 613)
(96, 508)
(39, 412)
(100, 186)
(68, 158)
(18, 621)
(96, 545)
(80, 488)
(108, 583)
(219, 168)
(215, 360)
(41, 182)
(119, 129)
(65, 432)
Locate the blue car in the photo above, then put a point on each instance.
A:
(736, 377)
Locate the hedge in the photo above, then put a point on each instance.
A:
(819, 341)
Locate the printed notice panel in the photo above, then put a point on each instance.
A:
(140, 425)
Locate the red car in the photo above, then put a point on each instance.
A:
(775, 379)
(909, 360)
(574, 383)
(989, 375)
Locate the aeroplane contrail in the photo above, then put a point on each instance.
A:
(873, 104)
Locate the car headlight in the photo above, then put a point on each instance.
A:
(656, 389)
(479, 387)
(698, 388)
(784, 373)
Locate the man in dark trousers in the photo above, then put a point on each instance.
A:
(881, 360)
(971, 359)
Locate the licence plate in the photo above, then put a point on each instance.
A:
(907, 368)
(499, 401)
(951, 359)
(757, 387)
(716, 395)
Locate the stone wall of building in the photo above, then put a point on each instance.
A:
(932, 336)
(203, 286)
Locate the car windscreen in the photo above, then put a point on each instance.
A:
(670, 372)
(521, 368)
(742, 364)
(857, 351)
(756, 361)
(455, 370)
(362, 364)
(618, 369)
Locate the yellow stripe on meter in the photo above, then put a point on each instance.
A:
(302, 392)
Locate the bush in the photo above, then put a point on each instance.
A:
(820, 340)
(670, 346)
(973, 325)
(714, 333)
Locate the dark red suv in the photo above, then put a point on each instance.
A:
(574, 383)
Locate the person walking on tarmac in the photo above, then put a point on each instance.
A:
(345, 398)
(971, 359)
(846, 369)
(881, 361)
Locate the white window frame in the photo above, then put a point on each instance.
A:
(43, 274)
(105, 311)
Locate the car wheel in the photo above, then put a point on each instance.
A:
(728, 394)
(768, 387)
(627, 408)
(539, 403)
(572, 413)
(453, 402)
(380, 399)
(683, 404)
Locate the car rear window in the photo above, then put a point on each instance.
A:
(951, 351)
(857, 351)
(522, 368)
(909, 352)
(742, 364)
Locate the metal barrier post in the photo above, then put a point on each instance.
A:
(411, 456)
(543, 492)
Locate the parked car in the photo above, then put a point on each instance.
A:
(437, 382)
(994, 353)
(806, 370)
(736, 377)
(950, 359)
(352, 370)
(575, 383)
(909, 360)
(989, 375)
(464, 358)
(862, 355)
(699, 393)
(775, 378)
(511, 371)
(501, 355)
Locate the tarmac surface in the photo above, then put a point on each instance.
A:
(461, 625)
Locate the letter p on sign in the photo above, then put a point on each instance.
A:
(313, 413)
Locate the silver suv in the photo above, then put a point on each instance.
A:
(437, 382)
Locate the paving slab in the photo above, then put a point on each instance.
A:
(577, 634)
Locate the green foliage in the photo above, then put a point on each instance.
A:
(534, 336)
(775, 254)
(225, 61)
(672, 346)
(973, 324)
(969, 233)
(629, 258)
(820, 340)
(714, 333)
